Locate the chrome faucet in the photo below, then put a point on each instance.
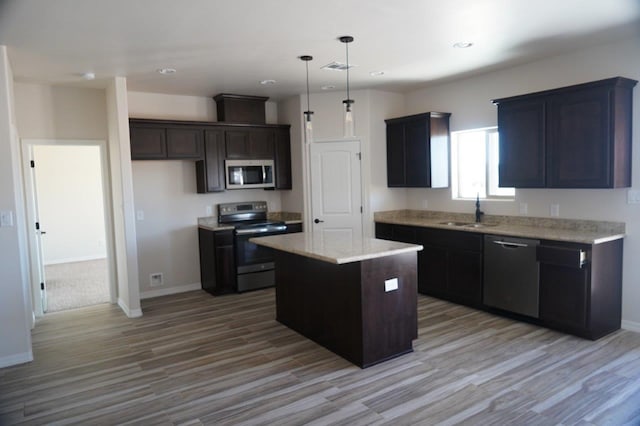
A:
(479, 213)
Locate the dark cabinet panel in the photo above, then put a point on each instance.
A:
(250, 143)
(580, 152)
(261, 143)
(237, 144)
(282, 159)
(572, 137)
(148, 143)
(522, 144)
(564, 295)
(451, 265)
(217, 262)
(418, 151)
(396, 170)
(581, 287)
(184, 143)
(210, 172)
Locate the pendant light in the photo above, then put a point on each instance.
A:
(308, 126)
(349, 128)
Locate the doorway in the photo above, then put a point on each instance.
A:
(70, 255)
(336, 188)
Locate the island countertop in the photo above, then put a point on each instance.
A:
(334, 248)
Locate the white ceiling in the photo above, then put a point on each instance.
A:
(230, 46)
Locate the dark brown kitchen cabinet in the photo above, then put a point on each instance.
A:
(522, 136)
(184, 143)
(418, 150)
(217, 261)
(282, 154)
(573, 137)
(581, 287)
(160, 140)
(148, 142)
(210, 174)
(254, 143)
(451, 266)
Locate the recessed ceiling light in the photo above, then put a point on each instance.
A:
(376, 73)
(166, 71)
(267, 82)
(328, 87)
(89, 76)
(463, 44)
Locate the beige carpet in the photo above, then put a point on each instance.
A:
(76, 284)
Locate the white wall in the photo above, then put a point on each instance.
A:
(469, 101)
(165, 191)
(54, 112)
(70, 202)
(15, 306)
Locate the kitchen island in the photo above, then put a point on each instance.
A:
(355, 296)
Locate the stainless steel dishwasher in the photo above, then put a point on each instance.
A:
(511, 274)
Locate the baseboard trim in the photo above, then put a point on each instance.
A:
(165, 291)
(631, 325)
(75, 259)
(16, 359)
(131, 313)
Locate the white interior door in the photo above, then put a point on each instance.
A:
(35, 239)
(336, 192)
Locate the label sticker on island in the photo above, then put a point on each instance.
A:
(390, 285)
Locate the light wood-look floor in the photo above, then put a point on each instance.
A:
(196, 359)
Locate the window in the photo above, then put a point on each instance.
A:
(474, 165)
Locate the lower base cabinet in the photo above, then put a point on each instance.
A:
(217, 261)
(581, 287)
(580, 284)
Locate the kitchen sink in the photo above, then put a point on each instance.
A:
(479, 225)
(456, 223)
(468, 224)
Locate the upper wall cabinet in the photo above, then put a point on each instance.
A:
(418, 150)
(210, 144)
(573, 137)
(159, 140)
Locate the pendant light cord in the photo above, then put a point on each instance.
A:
(348, 97)
(308, 102)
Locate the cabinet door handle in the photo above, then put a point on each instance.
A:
(316, 220)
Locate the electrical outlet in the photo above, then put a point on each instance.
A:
(524, 208)
(209, 210)
(554, 210)
(155, 279)
(140, 215)
(425, 204)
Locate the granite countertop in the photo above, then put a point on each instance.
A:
(570, 230)
(334, 248)
(211, 222)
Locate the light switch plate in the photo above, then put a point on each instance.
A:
(6, 218)
(209, 210)
(391, 285)
(140, 215)
(633, 196)
(524, 208)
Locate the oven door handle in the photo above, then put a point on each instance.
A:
(278, 228)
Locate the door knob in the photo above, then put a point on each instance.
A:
(316, 220)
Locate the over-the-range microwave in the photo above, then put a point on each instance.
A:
(245, 174)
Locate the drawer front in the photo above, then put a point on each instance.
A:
(452, 239)
(571, 257)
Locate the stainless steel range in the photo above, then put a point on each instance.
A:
(254, 264)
